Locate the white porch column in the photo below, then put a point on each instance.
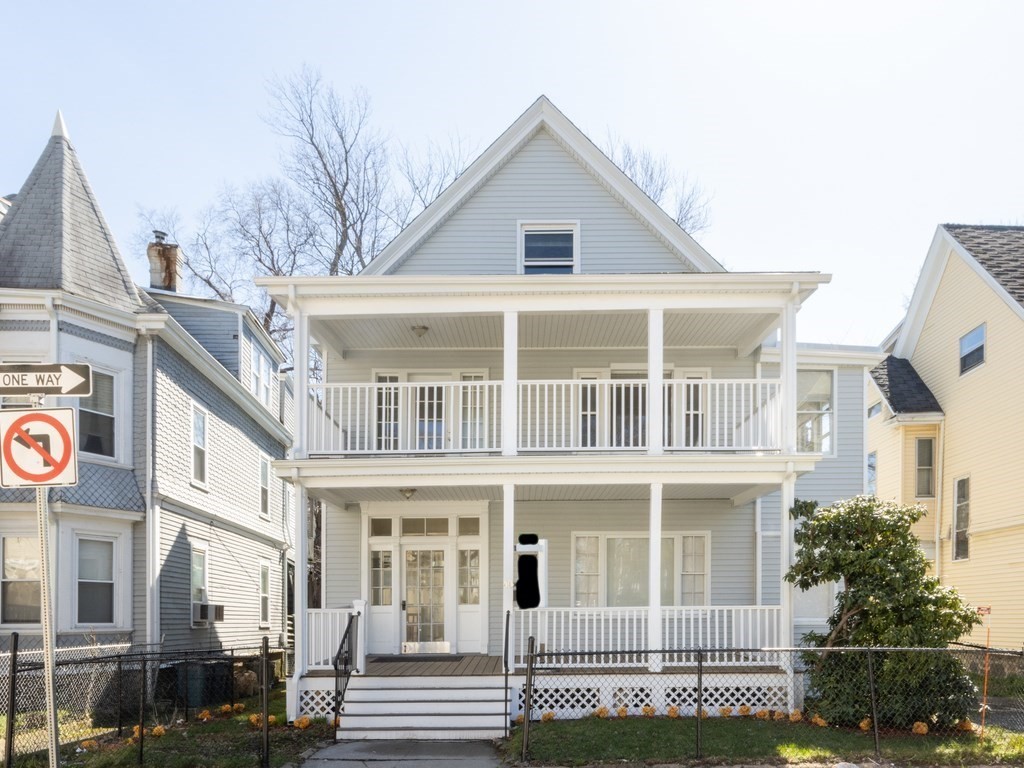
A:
(787, 373)
(787, 497)
(654, 630)
(300, 442)
(510, 387)
(301, 599)
(508, 579)
(655, 381)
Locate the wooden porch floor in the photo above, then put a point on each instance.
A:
(470, 665)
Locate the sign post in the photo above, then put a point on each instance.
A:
(39, 448)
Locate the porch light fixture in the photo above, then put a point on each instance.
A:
(420, 330)
(407, 492)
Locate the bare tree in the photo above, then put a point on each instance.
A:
(684, 200)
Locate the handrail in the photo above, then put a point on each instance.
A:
(347, 650)
(504, 661)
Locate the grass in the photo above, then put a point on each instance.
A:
(223, 742)
(637, 739)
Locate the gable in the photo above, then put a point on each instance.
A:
(542, 182)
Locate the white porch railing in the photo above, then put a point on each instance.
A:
(584, 634)
(436, 417)
(723, 414)
(554, 415)
(324, 630)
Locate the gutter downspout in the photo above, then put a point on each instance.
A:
(152, 510)
(938, 501)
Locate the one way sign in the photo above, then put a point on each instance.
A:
(66, 379)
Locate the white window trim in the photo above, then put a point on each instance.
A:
(261, 374)
(259, 589)
(874, 409)
(259, 502)
(15, 533)
(984, 353)
(122, 418)
(602, 564)
(524, 226)
(205, 483)
(952, 527)
(834, 371)
(203, 547)
(114, 541)
(918, 467)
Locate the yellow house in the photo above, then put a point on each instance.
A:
(946, 419)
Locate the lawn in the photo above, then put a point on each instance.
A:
(225, 741)
(590, 740)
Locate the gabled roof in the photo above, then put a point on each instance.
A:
(902, 388)
(994, 253)
(54, 236)
(542, 115)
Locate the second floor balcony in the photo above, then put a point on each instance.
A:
(554, 416)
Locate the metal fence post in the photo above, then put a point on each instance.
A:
(528, 699)
(120, 695)
(874, 704)
(265, 702)
(142, 709)
(12, 703)
(700, 701)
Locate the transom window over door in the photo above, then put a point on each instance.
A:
(549, 249)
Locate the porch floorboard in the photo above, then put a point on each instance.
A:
(470, 665)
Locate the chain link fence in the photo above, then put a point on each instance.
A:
(883, 696)
(181, 708)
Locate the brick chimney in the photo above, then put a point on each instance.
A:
(164, 263)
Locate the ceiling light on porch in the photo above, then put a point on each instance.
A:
(420, 330)
(407, 492)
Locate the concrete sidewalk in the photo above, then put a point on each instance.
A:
(405, 754)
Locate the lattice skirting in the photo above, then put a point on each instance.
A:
(317, 703)
(579, 696)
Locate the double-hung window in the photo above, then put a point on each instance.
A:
(95, 596)
(962, 519)
(200, 574)
(260, 375)
(814, 411)
(199, 418)
(549, 248)
(925, 467)
(19, 580)
(264, 594)
(972, 349)
(264, 486)
(96, 417)
(612, 569)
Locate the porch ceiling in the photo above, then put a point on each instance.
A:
(342, 496)
(563, 330)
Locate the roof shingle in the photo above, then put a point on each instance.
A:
(902, 388)
(999, 249)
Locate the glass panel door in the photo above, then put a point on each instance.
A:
(424, 601)
(629, 412)
(428, 403)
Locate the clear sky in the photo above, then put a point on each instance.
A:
(831, 136)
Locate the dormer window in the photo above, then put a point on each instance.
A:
(549, 248)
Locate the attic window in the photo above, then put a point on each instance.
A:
(549, 249)
(874, 409)
(972, 349)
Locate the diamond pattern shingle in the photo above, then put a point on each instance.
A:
(54, 235)
(902, 388)
(1000, 250)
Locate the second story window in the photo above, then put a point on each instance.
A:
(95, 581)
(962, 518)
(259, 375)
(96, 422)
(198, 445)
(264, 486)
(925, 467)
(549, 249)
(815, 412)
(972, 349)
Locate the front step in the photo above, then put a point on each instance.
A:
(455, 708)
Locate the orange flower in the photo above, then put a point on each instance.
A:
(779, 715)
(725, 711)
(159, 730)
(865, 724)
(519, 719)
(965, 724)
(225, 710)
(601, 712)
(647, 710)
(239, 707)
(703, 714)
(621, 712)
(205, 716)
(90, 745)
(819, 721)
(920, 728)
(547, 717)
(673, 712)
(302, 723)
(795, 716)
(762, 714)
(743, 711)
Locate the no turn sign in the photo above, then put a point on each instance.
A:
(37, 447)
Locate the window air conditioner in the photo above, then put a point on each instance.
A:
(200, 614)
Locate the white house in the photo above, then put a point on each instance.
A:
(543, 350)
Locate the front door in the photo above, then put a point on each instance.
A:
(424, 615)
